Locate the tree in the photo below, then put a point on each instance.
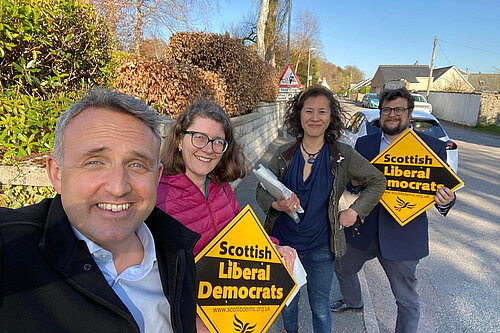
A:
(354, 73)
(339, 78)
(306, 34)
(245, 30)
(261, 28)
(140, 16)
(277, 14)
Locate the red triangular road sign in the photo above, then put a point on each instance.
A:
(289, 79)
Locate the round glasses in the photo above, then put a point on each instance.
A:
(201, 140)
(397, 111)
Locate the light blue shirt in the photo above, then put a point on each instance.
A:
(384, 143)
(139, 287)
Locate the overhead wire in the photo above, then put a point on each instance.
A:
(449, 62)
(470, 47)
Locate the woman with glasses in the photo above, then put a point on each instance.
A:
(200, 157)
(317, 168)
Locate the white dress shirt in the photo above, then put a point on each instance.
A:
(139, 287)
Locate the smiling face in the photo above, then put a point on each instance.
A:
(199, 162)
(315, 116)
(108, 176)
(393, 125)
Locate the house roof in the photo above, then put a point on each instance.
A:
(411, 72)
(407, 72)
(437, 72)
(485, 82)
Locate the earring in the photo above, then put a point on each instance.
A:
(179, 148)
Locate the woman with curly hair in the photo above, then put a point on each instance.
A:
(317, 168)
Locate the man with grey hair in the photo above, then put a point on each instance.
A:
(99, 257)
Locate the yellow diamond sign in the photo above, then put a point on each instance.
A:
(242, 280)
(414, 173)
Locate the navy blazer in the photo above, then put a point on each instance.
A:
(396, 242)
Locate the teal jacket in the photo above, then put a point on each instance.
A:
(346, 164)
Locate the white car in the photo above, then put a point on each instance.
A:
(421, 104)
(367, 122)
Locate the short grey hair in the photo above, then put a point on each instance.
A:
(100, 97)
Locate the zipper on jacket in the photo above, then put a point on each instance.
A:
(177, 290)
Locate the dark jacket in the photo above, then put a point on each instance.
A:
(410, 242)
(49, 282)
(346, 164)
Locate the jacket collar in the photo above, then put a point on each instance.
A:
(288, 153)
(71, 258)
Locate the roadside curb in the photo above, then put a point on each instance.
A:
(369, 316)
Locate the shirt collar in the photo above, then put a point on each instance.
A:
(384, 138)
(142, 232)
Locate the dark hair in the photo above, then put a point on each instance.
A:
(292, 114)
(232, 164)
(392, 94)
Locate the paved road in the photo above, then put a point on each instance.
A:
(459, 283)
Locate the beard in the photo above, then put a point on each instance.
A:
(394, 130)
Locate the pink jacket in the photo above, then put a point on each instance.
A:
(180, 198)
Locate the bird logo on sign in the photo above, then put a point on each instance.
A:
(403, 204)
(242, 327)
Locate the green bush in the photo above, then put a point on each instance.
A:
(27, 123)
(51, 46)
(19, 196)
(50, 51)
(364, 90)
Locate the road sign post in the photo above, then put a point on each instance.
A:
(289, 84)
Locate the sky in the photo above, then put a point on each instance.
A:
(391, 32)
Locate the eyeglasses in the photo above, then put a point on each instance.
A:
(201, 140)
(397, 111)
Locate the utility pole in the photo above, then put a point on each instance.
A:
(309, 65)
(288, 38)
(432, 67)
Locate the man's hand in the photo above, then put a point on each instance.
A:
(347, 217)
(444, 196)
(291, 205)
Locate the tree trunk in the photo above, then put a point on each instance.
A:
(138, 26)
(270, 32)
(270, 55)
(261, 29)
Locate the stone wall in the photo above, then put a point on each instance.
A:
(489, 113)
(254, 131)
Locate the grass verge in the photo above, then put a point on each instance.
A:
(488, 129)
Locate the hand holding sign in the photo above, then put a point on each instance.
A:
(416, 178)
(444, 196)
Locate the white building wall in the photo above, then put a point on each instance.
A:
(458, 108)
